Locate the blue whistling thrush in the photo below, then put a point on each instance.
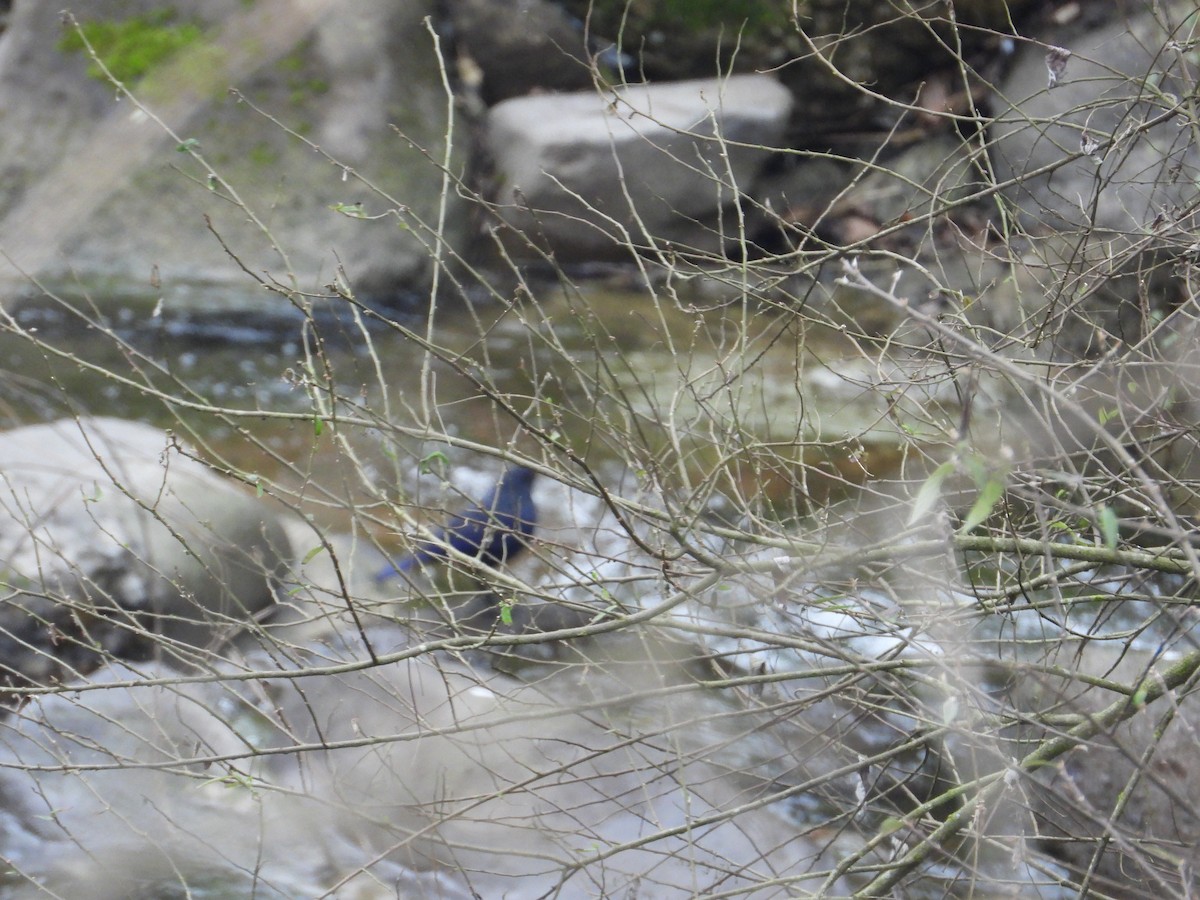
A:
(494, 530)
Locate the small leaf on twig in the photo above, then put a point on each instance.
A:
(1056, 64)
(929, 493)
(950, 711)
(1106, 519)
(989, 496)
(426, 464)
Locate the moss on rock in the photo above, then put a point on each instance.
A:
(130, 48)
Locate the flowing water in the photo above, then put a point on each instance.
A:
(622, 377)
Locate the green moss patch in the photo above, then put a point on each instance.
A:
(131, 47)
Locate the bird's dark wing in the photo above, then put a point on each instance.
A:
(494, 530)
(511, 519)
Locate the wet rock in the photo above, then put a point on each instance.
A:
(113, 543)
(586, 172)
(151, 832)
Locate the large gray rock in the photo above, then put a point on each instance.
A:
(1117, 79)
(114, 544)
(585, 172)
(94, 188)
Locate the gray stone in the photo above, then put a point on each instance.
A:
(96, 189)
(645, 164)
(113, 543)
(1116, 80)
(520, 47)
(915, 184)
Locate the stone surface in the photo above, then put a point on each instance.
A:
(520, 47)
(110, 540)
(95, 188)
(645, 160)
(1117, 78)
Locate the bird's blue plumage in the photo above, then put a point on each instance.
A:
(494, 530)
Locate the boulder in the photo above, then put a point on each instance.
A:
(588, 172)
(97, 191)
(1117, 79)
(113, 543)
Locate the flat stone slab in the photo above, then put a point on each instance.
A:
(587, 172)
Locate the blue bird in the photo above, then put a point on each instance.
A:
(494, 530)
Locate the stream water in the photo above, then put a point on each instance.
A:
(584, 362)
(625, 378)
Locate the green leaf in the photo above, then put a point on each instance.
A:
(318, 425)
(1107, 415)
(188, 145)
(1106, 518)
(427, 461)
(506, 611)
(929, 493)
(891, 825)
(1139, 696)
(311, 554)
(988, 497)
